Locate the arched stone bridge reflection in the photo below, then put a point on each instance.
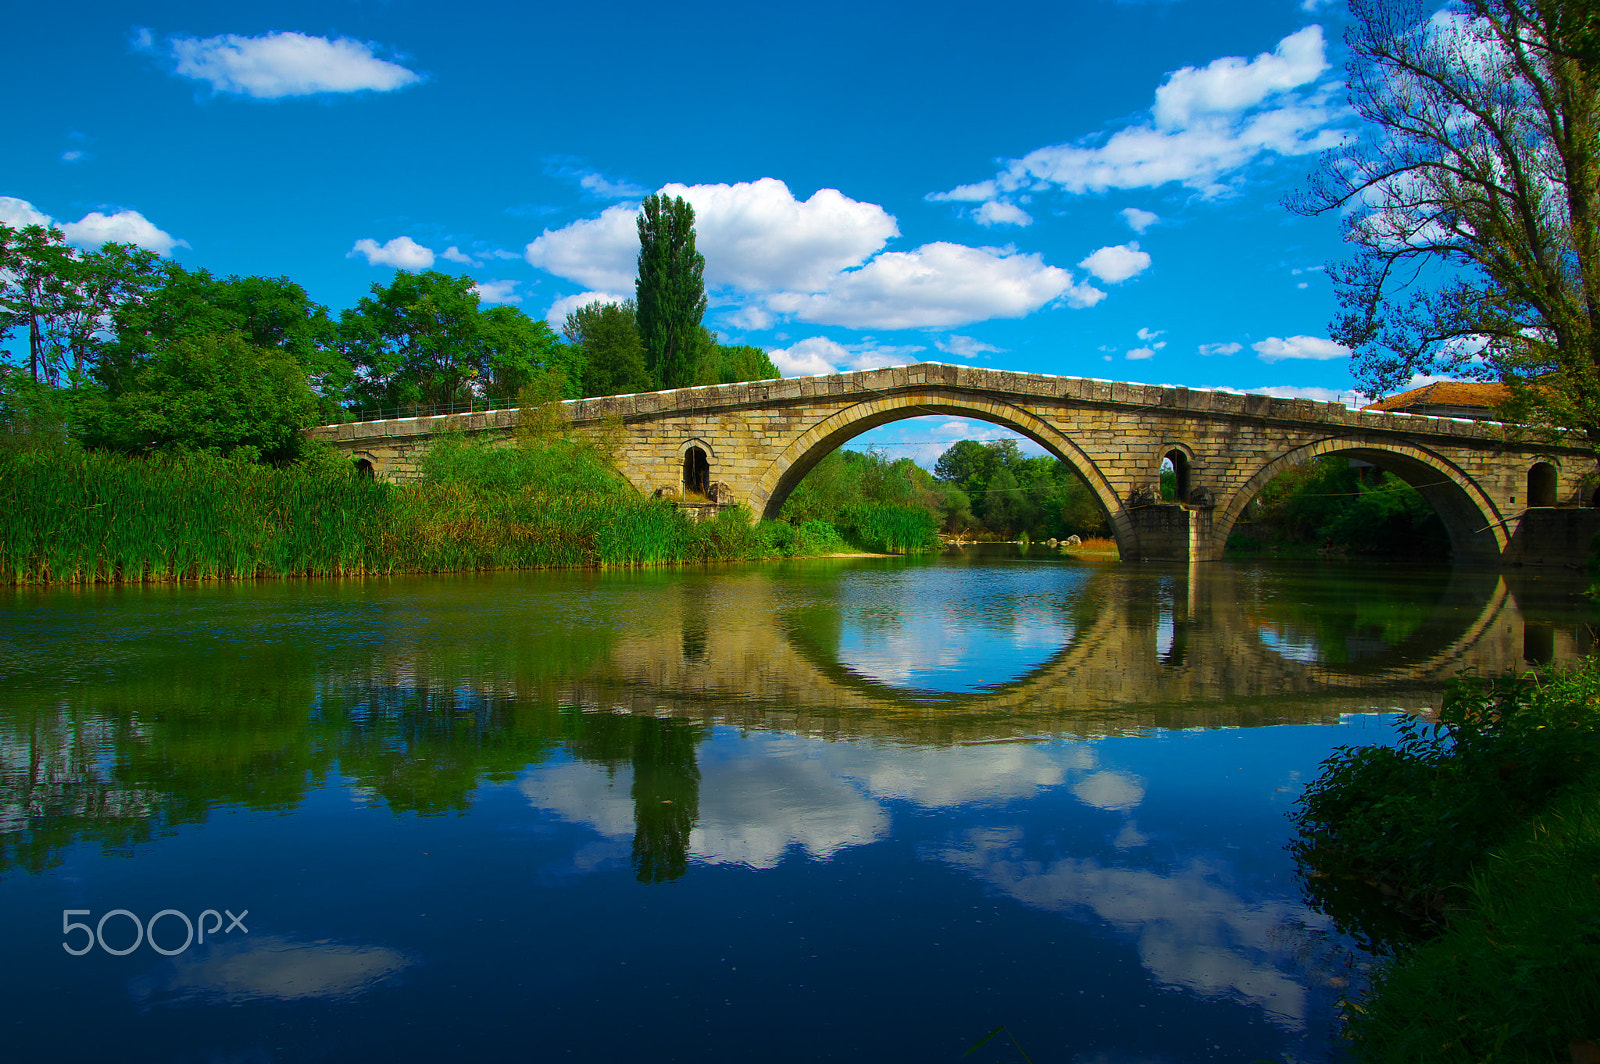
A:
(1173, 648)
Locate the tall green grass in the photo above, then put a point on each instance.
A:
(890, 527)
(69, 516)
(73, 516)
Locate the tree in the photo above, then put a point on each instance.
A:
(671, 290)
(742, 362)
(215, 393)
(424, 338)
(1473, 198)
(65, 297)
(612, 359)
(517, 349)
(268, 312)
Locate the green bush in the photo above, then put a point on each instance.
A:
(1487, 825)
(1516, 977)
(1417, 816)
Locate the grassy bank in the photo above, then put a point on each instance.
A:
(75, 516)
(1483, 833)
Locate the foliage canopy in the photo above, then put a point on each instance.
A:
(1472, 196)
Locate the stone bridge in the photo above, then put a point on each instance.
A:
(1493, 485)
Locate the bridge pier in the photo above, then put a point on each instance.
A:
(1168, 532)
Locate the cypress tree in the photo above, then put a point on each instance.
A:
(671, 290)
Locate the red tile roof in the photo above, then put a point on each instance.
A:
(1446, 393)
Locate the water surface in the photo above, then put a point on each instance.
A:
(852, 810)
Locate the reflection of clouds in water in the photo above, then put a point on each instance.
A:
(947, 649)
(1193, 932)
(765, 794)
(1130, 837)
(1291, 642)
(270, 968)
(1109, 790)
(963, 775)
(580, 792)
(753, 809)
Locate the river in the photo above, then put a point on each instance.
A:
(863, 809)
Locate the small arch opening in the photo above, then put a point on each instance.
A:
(1542, 484)
(1175, 476)
(696, 472)
(364, 469)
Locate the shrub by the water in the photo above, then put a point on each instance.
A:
(1485, 827)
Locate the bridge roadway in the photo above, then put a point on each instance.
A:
(752, 443)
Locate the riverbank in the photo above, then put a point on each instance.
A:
(87, 517)
(1469, 852)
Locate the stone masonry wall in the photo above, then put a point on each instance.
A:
(761, 437)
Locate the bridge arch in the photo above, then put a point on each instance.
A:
(810, 447)
(1471, 519)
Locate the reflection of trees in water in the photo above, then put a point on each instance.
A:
(661, 752)
(666, 797)
(171, 751)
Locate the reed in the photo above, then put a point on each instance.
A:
(892, 528)
(81, 517)
(92, 517)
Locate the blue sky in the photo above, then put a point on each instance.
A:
(1087, 188)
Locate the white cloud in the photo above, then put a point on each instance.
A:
(1274, 348)
(557, 314)
(402, 253)
(19, 213)
(818, 354)
(1230, 85)
(455, 254)
(123, 227)
(938, 284)
(750, 316)
(497, 292)
(757, 237)
(73, 155)
(1140, 353)
(94, 228)
(1150, 334)
(998, 212)
(1205, 126)
(965, 347)
(819, 260)
(601, 252)
(286, 64)
(1117, 263)
(1229, 348)
(1139, 220)
(973, 193)
(597, 184)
